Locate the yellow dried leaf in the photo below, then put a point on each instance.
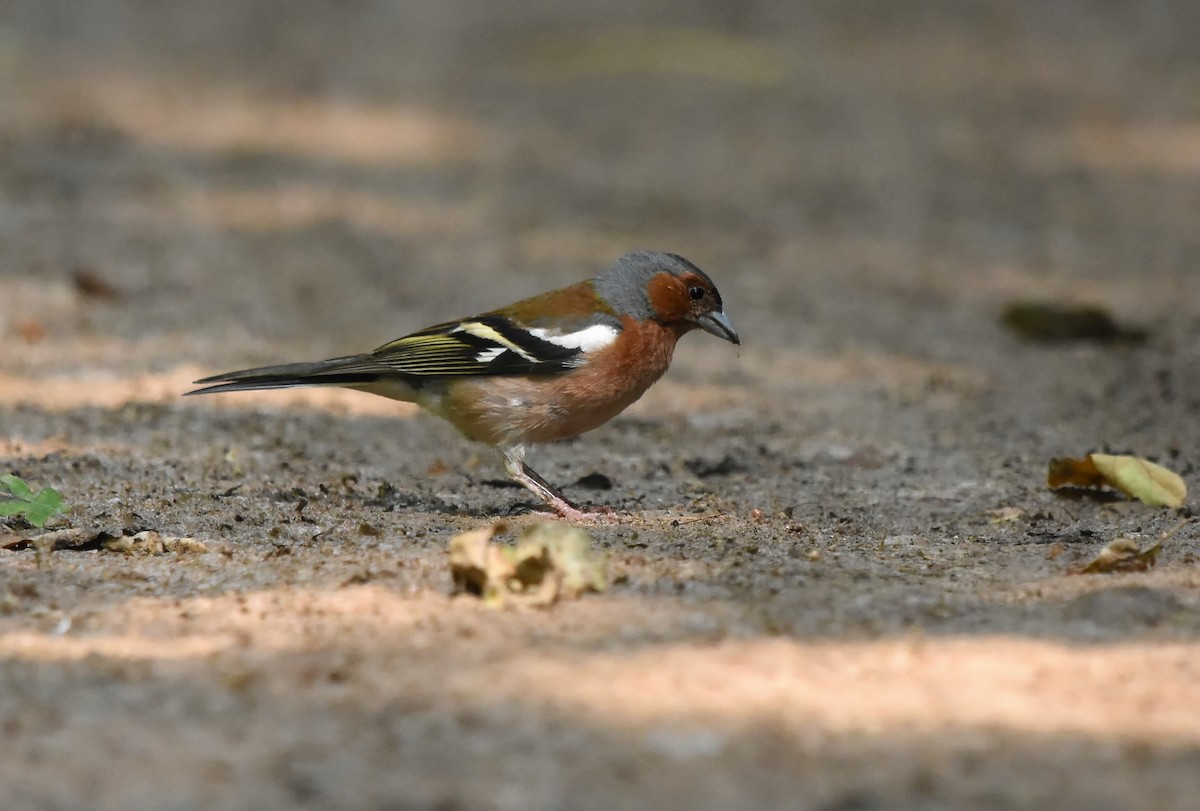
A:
(550, 561)
(1135, 477)
(1141, 479)
(471, 560)
(576, 566)
(1001, 515)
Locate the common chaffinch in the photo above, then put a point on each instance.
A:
(549, 367)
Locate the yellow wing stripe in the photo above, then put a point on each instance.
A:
(488, 334)
(476, 346)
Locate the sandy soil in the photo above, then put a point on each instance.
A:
(814, 605)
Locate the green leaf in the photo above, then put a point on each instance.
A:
(10, 506)
(36, 509)
(48, 497)
(18, 488)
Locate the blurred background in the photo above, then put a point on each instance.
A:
(227, 183)
(845, 584)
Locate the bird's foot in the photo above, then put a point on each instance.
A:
(524, 475)
(569, 512)
(597, 515)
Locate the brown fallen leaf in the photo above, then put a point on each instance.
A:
(550, 561)
(656, 51)
(1127, 555)
(1122, 555)
(1135, 477)
(89, 282)
(1058, 323)
(57, 540)
(31, 330)
(147, 542)
(1067, 472)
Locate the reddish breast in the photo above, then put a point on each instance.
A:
(513, 410)
(613, 379)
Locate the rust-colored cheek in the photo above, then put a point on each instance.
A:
(668, 296)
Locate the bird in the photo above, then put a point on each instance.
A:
(546, 368)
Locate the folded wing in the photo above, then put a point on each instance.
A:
(488, 345)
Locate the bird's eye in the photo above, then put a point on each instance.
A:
(696, 293)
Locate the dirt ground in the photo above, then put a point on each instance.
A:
(814, 603)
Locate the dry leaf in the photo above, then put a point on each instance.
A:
(1135, 477)
(1002, 515)
(471, 556)
(1122, 555)
(1067, 472)
(149, 542)
(89, 282)
(549, 561)
(1126, 555)
(657, 51)
(1142, 479)
(1056, 323)
(31, 330)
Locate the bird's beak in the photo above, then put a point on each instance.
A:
(718, 324)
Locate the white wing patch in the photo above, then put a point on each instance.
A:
(489, 355)
(488, 334)
(590, 339)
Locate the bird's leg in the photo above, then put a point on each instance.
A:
(514, 464)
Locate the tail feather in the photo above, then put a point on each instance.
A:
(355, 370)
